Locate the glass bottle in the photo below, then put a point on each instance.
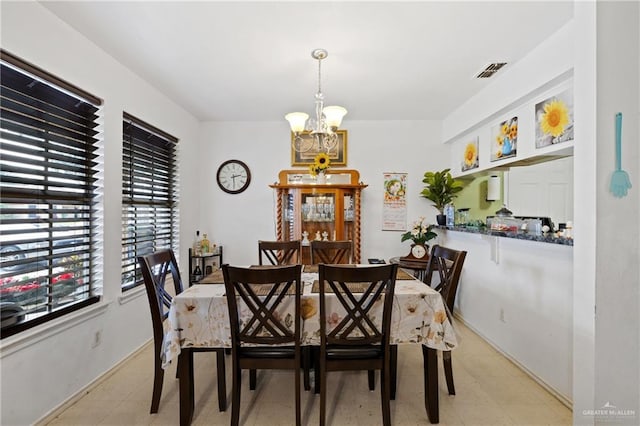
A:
(197, 273)
(205, 245)
(197, 245)
(450, 214)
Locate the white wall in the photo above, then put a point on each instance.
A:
(518, 295)
(517, 285)
(602, 44)
(41, 369)
(617, 272)
(238, 221)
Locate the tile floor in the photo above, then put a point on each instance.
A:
(490, 391)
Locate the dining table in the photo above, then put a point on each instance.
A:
(199, 318)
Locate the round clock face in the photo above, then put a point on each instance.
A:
(233, 176)
(418, 251)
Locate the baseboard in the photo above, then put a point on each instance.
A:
(559, 396)
(82, 392)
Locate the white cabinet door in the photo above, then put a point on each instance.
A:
(544, 189)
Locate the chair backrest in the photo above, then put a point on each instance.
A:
(443, 272)
(331, 252)
(156, 267)
(265, 293)
(280, 252)
(356, 317)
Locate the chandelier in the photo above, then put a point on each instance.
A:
(321, 129)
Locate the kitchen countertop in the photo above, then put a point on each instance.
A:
(550, 237)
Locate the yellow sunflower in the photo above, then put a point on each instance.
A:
(322, 161)
(505, 128)
(555, 118)
(500, 140)
(470, 154)
(513, 132)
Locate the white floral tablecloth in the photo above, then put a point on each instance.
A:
(199, 317)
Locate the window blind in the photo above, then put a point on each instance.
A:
(48, 166)
(148, 194)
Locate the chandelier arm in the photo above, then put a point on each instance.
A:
(330, 140)
(301, 144)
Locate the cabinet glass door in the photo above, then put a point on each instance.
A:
(319, 216)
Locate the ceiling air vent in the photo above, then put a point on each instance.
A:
(490, 70)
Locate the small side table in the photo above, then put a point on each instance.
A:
(419, 268)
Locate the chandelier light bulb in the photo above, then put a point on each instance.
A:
(333, 115)
(297, 121)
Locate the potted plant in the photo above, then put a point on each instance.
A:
(441, 188)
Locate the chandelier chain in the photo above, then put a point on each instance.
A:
(319, 76)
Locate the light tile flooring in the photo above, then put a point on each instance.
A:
(490, 391)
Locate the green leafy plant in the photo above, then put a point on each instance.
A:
(441, 188)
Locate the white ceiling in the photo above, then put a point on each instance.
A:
(252, 60)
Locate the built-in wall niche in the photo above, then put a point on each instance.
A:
(543, 189)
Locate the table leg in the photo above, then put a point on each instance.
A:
(430, 365)
(185, 373)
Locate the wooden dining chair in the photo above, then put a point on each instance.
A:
(443, 274)
(280, 252)
(268, 338)
(331, 252)
(359, 338)
(159, 270)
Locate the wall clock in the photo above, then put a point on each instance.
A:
(233, 176)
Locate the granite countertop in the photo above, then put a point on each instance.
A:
(544, 238)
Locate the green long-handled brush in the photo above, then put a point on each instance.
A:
(620, 182)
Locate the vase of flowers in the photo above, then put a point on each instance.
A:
(319, 166)
(420, 233)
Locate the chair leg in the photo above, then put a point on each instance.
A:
(297, 380)
(393, 374)
(430, 366)
(187, 402)
(371, 376)
(158, 378)
(322, 373)
(385, 389)
(448, 371)
(222, 380)
(253, 378)
(235, 397)
(315, 360)
(306, 366)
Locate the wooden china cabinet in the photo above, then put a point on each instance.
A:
(327, 211)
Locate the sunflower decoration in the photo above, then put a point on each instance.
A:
(320, 164)
(505, 129)
(513, 131)
(470, 155)
(555, 118)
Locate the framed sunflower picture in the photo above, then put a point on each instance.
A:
(505, 139)
(337, 154)
(470, 155)
(554, 119)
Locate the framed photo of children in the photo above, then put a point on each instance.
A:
(304, 157)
